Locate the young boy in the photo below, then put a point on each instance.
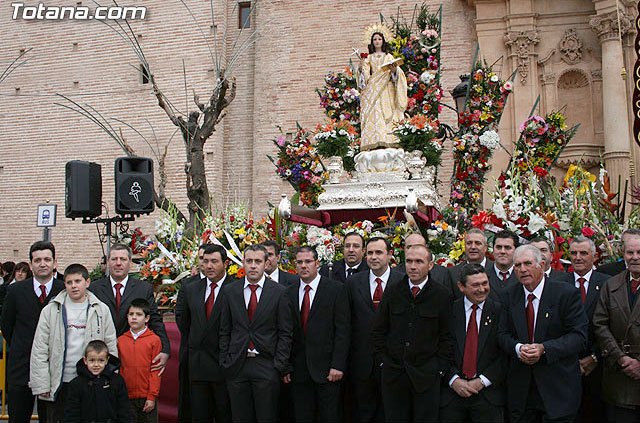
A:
(98, 394)
(138, 347)
(66, 325)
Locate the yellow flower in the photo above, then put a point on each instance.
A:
(233, 269)
(457, 250)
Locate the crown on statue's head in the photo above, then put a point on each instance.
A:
(382, 28)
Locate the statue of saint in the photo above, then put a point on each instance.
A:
(383, 90)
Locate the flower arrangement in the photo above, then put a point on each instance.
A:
(477, 138)
(541, 141)
(421, 133)
(298, 163)
(338, 138)
(235, 229)
(420, 51)
(340, 98)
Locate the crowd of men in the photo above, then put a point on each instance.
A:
(510, 340)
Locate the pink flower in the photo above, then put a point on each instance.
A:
(281, 140)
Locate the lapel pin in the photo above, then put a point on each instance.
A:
(597, 288)
(546, 315)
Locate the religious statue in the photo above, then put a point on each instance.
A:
(383, 86)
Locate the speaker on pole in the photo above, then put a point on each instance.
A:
(134, 185)
(83, 189)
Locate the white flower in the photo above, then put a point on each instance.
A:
(536, 223)
(494, 78)
(490, 139)
(427, 77)
(498, 209)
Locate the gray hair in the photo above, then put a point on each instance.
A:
(582, 238)
(629, 232)
(537, 254)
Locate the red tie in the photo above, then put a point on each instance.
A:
(306, 307)
(208, 307)
(470, 358)
(530, 316)
(634, 285)
(377, 294)
(504, 276)
(415, 290)
(118, 287)
(253, 304)
(583, 291)
(43, 294)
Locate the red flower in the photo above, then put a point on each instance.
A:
(540, 171)
(588, 232)
(364, 55)
(480, 219)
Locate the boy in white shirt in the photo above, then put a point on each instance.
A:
(67, 324)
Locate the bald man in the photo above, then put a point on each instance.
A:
(438, 273)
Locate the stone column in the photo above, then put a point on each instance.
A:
(614, 96)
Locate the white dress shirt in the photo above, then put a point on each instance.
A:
(587, 277)
(536, 303)
(498, 271)
(137, 335)
(275, 276)
(216, 291)
(47, 287)
(372, 280)
(347, 267)
(468, 308)
(124, 285)
(421, 286)
(312, 293)
(247, 290)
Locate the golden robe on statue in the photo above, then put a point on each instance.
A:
(383, 100)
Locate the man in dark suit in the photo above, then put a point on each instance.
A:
(272, 271)
(320, 341)
(353, 251)
(255, 340)
(184, 396)
(198, 315)
(438, 273)
(478, 368)
(363, 292)
(412, 343)
(546, 248)
(118, 290)
(286, 279)
(543, 330)
(475, 243)
(501, 274)
(616, 328)
(582, 251)
(22, 306)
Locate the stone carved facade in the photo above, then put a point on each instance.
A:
(522, 44)
(570, 47)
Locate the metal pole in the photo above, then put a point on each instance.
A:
(46, 234)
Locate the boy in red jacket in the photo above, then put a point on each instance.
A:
(137, 348)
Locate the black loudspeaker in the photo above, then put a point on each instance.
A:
(83, 189)
(134, 185)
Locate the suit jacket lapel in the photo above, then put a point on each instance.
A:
(620, 295)
(128, 291)
(461, 330)
(593, 292)
(215, 313)
(365, 292)
(545, 309)
(201, 301)
(486, 320)
(265, 298)
(318, 298)
(518, 314)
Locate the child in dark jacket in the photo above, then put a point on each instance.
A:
(98, 394)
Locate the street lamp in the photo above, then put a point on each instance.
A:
(459, 93)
